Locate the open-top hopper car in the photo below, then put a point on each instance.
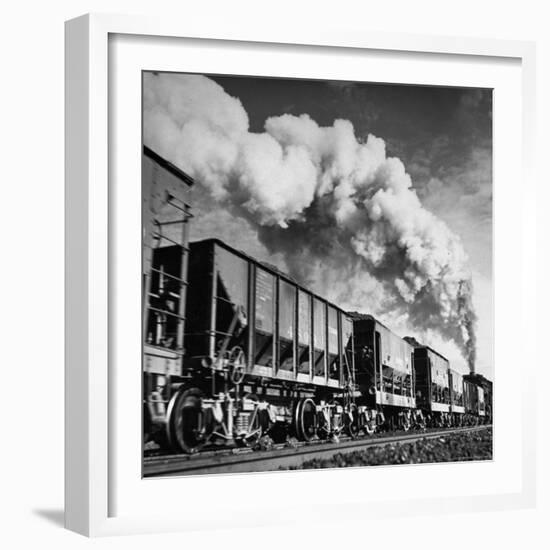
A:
(384, 376)
(271, 348)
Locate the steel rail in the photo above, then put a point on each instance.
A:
(248, 460)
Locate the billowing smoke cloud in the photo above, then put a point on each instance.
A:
(343, 214)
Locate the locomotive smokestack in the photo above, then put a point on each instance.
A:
(468, 320)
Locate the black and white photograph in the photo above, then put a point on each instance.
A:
(287, 271)
(317, 274)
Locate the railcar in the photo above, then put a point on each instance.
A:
(487, 399)
(456, 384)
(384, 376)
(165, 216)
(433, 392)
(474, 402)
(257, 337)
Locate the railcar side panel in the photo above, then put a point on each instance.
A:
(480, 401)
(165, 213)
(383, 365)
(432, 380)
(287, 333)
(366, 360)
(200, 303)
(265, 289)
(457, 392)
(470, 397)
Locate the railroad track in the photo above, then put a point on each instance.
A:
(280, 456)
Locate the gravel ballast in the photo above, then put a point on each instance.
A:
(457, 447)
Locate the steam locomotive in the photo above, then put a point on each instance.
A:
(236, 351)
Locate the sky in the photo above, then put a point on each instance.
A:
(443, 138)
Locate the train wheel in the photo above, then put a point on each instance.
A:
(352, 421)
(189, 426)
(306, 419)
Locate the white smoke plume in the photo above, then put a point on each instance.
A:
(343, 214)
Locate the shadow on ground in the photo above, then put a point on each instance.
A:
(57, 517)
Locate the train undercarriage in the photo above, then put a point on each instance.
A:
(194, 419)
(228, 407)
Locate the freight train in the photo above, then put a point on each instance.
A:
(236, 351)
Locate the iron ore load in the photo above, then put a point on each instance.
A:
(236, 352)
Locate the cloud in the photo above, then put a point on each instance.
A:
(342, 214)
